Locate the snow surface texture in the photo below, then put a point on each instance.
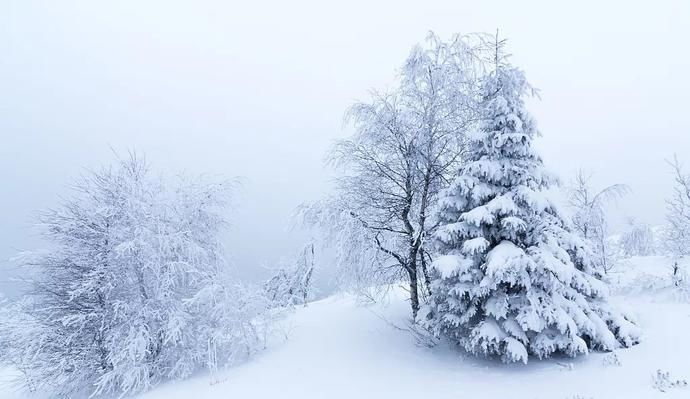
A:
(336, 348)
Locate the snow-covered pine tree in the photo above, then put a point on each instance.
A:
(512, 279)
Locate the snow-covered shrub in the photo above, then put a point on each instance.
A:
(292, 282)
(16, 326)
(662, 381)
(646, 283)
(679, 276)
(611, 360)
(660, 276)
(237, 321)
(637, 240)
(133, 290)
(680, 282)
(513, 279)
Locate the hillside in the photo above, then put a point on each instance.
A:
(337, 348)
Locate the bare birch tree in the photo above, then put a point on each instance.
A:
(589, 217)
(677, 230)
(406, 144)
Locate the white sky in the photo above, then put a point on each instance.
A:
(258, 89)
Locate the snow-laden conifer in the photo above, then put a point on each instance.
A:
(512, 279)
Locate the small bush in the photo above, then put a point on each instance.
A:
(662, 381)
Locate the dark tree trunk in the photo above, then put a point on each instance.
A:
(425, 272)
(414, 285)
(414, 295)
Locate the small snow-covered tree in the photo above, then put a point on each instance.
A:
(513, 279)
(292, 282)
(589, 215)
(676, 235)
(637, 240)
(133, 290)
(677, 230)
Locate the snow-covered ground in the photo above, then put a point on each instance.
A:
(649, 276)
(337, 348)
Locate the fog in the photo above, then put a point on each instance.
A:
(258, 90)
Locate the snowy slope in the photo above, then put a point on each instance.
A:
(337, 348)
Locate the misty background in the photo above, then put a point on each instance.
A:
(258, 90)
